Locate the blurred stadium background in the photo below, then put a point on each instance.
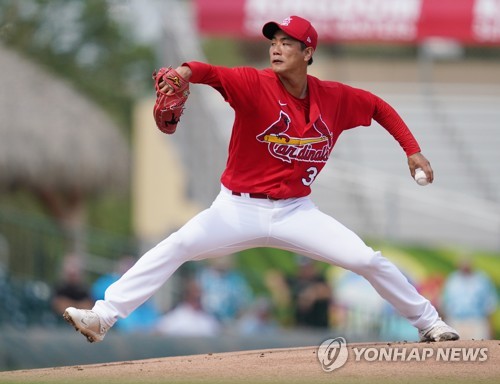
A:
(83, 169)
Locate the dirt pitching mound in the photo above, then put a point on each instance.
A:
(446, 362)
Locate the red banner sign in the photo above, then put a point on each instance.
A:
(407, 21)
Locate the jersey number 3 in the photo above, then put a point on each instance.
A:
(312, 173)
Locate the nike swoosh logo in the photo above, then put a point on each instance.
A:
(282, 104)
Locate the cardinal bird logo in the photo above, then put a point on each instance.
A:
(287, 148)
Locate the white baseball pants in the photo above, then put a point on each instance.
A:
(234, 223)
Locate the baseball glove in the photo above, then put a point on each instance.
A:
(169, 108)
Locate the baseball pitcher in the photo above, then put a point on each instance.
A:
(286, 125)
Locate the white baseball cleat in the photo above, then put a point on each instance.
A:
(87, 322)
(439, 331)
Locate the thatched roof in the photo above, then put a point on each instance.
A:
(53, 138)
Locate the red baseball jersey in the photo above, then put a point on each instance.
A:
(279, 143)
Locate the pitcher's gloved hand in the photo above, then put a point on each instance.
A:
(169, 105)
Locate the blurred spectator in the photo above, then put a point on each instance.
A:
(258, 319)
(311, 294)
(431, 288)
(469, 301)
(308, 292)
(188, 318)
(71, 291)
(225, 291)
(144, 318)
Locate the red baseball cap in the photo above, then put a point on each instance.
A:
(294, 26)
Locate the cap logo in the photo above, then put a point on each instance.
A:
(287, 21)
(308, 40)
